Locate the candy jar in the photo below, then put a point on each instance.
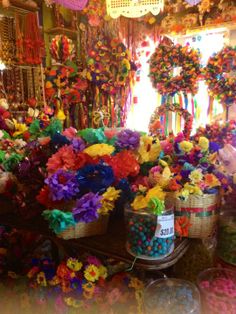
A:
(226, 247)
(218, 290)
(171, 296)
(149, 236)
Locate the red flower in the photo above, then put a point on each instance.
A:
(44, 198)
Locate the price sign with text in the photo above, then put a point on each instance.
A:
(165, 226)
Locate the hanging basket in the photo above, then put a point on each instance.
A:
(201, 212)
(82, 230)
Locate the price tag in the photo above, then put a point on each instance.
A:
(165, 226)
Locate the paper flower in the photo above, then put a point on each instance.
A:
(63, 185)
(99, 150)
(74, 264)
(203, 143)
(58, 220)
(196, 176)
(86, 209)
(186, 146)
(127, 139)
(91, 273)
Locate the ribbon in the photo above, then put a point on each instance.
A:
(58, 220)
(198, 209)
(188, 214)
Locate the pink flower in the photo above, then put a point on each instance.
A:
(94, 260)
(94, 20)
(70, 133)
(167, 147)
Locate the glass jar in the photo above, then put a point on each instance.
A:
(149, 236)
(172, 296)
(218, 290)
(226, 246)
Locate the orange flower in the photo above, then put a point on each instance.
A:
(173, 185)
(182, 226)
(211, 180)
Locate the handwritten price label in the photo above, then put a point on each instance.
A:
(165, 226)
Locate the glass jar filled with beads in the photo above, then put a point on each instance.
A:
(149, 236)
(226, 246)
(218, 290)
(171, 296)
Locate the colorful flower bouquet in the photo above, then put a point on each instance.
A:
(85, 177)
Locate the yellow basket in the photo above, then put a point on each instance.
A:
(202, 212)
(82, 229)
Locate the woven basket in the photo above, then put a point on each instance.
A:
(202, 213)
(81, 229)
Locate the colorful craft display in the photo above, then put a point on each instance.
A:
(168, 58)
(72, 4)
(109, 65)
(62, 49)
(219, 134)
(172, 296)
(155, 124)
(219, 74)
(149, 236)
(218, 290)
(95, 11)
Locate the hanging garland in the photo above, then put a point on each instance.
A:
(155, 124)
(220, 75)
(165, 59)
(109, 65)
(62, 49)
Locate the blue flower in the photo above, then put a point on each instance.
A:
(95, 178)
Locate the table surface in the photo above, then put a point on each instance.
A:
(111, 244)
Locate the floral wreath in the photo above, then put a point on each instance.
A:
(109, 65)
(217, 75)
(165, 59)
(155, 127)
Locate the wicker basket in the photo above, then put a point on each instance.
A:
(202, 213)
(81, 229)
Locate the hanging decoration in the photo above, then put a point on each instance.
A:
(155, 127)
(109, 69)
(95, 12)
(62, 49)
(220, 75)
(133, 8)
(76, 5)
(168, 58)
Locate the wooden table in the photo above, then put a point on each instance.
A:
(112, 244)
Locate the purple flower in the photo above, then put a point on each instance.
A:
(87, 206)
(128, 139)
(93, 260)
(78, 144)
(63, 185)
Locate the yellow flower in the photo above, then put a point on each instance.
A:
(54, 281)
(147, 150)
(196, 176)
(99, 150)
(193, 189)
(74, 264)
(102, 271)
(20, 128)
(41, 279)
(139, 202)
(203, 143)
(111, 194)
(152, 20)
(106, 207)
(184, 194)
(91, 273)
(88, 287)
(157, 192)
(185, 146)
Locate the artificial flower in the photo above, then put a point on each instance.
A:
(193, 189)
(91, 273)
(99, 150)
(111, 194)
(20, 128)
(186, 146)
(127, 139)
(63, 185)
(86, 208)
(78, 144)
(41, 279)
(157, 192)
(182, 225)
(93, 260)
(173, 185)
(102, 271)
(211, 180)
(203, 143)
(139, 202)
(70, 133)
(156, 206)
(148, 151)
(58, 220)
(95, 178)
(10, 163)
(196, 176)
(74, 264)
(64, 158)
